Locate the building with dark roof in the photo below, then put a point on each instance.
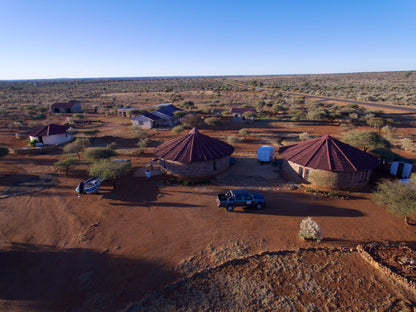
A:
(326, 161)
(194, 155)
(51, 134)
(166, 113)
(70, 107)
(164, 116)
(239, 112)
(145, 120)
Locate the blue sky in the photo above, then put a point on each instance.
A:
(100, 38)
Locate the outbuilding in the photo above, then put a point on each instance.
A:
(145, 120)
(71, 107)
(51, 134)
(240, 114)
(327, 162)
(194, 155)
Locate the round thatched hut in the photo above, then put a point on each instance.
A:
(327, 162)
(194, 155)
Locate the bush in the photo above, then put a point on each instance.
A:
(35, 125)
(65, 164)
(310, 230)
(112, 145)
(16, 125)
(213, 121)
(94, 154)
(244, 132)
(191, 121)
(178, 129)
(91, 131)
(110, 170)
(407, 145)
(304, 136)
(366, 140)
(138, 132)
(399, 198)
(73, 148)
(232, 140)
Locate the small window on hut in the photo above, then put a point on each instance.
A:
(306, 174)
(300, 171)
(214, 165)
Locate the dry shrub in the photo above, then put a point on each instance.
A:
(310, 230)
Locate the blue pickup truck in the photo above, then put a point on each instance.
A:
(240, 198)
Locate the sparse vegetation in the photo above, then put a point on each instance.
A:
(65, 164)
(178, 129)
(74, 148)
(212, 121)
(97, 153)
(399, 198)
(310, 230)
(233, 140)
(110, 170)
(366, 140)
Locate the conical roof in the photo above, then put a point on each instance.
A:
(327, 153)
(193, 147)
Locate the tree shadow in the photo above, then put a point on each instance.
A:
(51, 279)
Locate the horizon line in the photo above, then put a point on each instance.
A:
(196, 76)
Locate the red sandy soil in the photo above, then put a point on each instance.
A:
(63, 252)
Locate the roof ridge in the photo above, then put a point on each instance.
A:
(314, 153)
(343, 154)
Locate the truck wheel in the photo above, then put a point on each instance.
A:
(230, 208)
(259, 206)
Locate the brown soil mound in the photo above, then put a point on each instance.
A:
(307, 280)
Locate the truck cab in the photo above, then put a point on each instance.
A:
(240, 198)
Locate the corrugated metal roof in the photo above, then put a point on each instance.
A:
(146, 115)
(64, 105)
(328, 153)
(168, 110)
(51, 129)
(194, 147)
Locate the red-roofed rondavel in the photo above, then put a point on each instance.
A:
(194, 147)
(328, 153)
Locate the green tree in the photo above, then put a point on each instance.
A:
(4, 151)
(366, 140)
(65, 164)
(399, 198)
(212, 121)
(178, 129)
(143, 143)
(376, 122)
(74, 148)
(97, 153)
(191, 121)
(110, 170)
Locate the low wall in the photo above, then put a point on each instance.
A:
(36, 150)
(407, 283)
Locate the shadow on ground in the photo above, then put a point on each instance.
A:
(49, 279)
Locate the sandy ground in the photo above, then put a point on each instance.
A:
(100, 252)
